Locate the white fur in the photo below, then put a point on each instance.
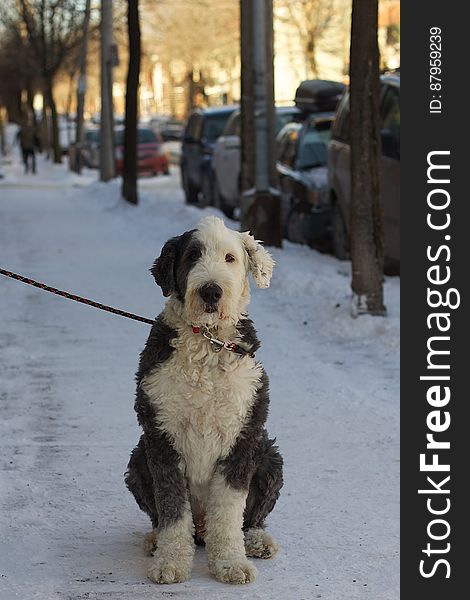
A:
(259, 543)
(173, 557)
(224, 537)
(260, 262)
(218, 241)
(202, 398)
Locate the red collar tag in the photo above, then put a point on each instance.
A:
(196, 329)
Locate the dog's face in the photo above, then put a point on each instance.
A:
(207, 268)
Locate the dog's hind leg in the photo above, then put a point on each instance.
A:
(259, 543)
(139, 481)
(262, 496)
(150, 542)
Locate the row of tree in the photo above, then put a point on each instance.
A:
(44, 37)
(367, 238)
(41, 39)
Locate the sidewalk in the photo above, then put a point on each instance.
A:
(69, 529)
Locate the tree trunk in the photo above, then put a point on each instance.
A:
(311, 53)
(30, 103)
(170, 88)
(190, 91)
(129, 174)
(14, 108)
(367, 246)
(2, 134)
(81, 90)
(54, 119)
(69, 107)
(107, 164)
(44, 129)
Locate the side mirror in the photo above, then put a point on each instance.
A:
(390, 145)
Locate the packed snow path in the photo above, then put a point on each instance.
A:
(68, 527)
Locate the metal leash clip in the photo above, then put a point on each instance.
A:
(216, 344)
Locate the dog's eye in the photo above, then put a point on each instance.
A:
(229, 258)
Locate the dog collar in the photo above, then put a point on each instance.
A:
(217, 344)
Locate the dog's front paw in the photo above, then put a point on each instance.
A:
(166, 571)
(235, 570)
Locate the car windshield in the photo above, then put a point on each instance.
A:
(313, 149)
(214, 126)
(144, 136)
(282, 118)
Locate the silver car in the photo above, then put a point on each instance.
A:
(226, 158)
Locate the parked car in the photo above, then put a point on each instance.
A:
(169, 128)
(90, 153)
(172, 130)
(339, 172)
(151, 155)
(67, 131)
(202, 129)
(303, 180)
(224, 189)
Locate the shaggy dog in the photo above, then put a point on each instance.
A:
(204, 469)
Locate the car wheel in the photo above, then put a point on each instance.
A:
(290, 225)
(296, 225)
(340, 234)
(190, 191)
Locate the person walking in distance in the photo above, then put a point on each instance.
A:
(29, 142)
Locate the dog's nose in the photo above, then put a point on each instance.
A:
(211, 293)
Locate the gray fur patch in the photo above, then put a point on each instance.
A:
(153, 474)
(172, 267)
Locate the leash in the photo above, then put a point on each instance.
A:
(216, 344)
(86, 301)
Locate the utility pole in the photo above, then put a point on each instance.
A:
(107, 167)
(81, 89)
(260, 200)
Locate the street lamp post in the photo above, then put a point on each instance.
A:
(260, 199)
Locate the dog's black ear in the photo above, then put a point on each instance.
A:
(163, 269)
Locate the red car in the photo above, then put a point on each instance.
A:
(151, 156)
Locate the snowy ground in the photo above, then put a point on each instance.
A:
(68, 527)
